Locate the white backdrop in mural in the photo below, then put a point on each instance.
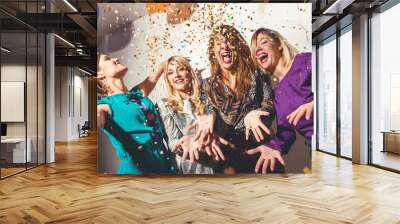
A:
(142, 36)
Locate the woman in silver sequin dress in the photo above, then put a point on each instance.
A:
(179, 111)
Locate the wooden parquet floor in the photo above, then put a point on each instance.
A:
(70, 191)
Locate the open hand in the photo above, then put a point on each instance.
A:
(189, 147)
(214, 150)
(304, 110)
(267, 158)
(204, 126)
(253, 122)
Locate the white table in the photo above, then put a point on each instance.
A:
(16, 147)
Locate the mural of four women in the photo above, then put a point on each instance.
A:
(221, 124)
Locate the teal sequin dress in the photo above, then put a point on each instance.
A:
(136, 133)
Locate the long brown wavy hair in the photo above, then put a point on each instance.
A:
(244, 64)
(174, 100)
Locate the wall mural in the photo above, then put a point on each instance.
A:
(204, 88)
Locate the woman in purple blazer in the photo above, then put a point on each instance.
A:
(293, 96)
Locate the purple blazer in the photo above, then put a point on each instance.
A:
(291, 92)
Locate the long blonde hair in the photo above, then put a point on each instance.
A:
(288, 51)
(174, 99)
(244, 65)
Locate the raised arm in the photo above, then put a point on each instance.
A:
(103, 110)
(150, 82)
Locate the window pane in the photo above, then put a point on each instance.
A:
(13, 86)
(385, 84)
(314, 78)
(31, 97)
(327, 96)
(22, 87)
(346, 94)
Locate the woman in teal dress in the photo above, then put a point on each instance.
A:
(131, 121)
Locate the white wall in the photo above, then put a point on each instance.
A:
(80, 89)
(11, 73)
(16, 73)
(70, 84)
(61, 103)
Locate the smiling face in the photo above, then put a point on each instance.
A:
(178, 76)
(110, 67)
(229, 54)
(224, 52)
(268, 52)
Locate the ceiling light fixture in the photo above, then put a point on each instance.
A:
(5, 50)
(337, 7)
(65, 41)
(84, 71)
(70, 5)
